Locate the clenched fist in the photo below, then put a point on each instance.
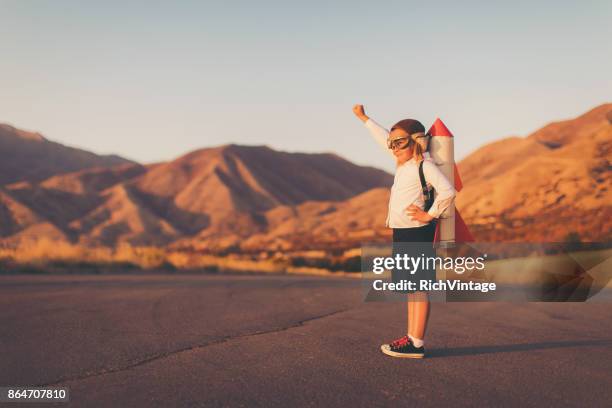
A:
(360, 113)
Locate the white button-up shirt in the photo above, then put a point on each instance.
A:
(407, 190)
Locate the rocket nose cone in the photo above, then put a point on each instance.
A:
(439, 129)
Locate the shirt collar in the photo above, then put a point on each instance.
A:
(426, 155)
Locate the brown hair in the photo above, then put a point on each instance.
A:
(420, 147)
(412, 126)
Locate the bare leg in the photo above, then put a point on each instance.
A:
(419, 304)
(411, 317)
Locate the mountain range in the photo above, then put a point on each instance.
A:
(214, 196)
(552, 185)
(29, 156)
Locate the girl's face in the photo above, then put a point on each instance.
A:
(402, 150)
(403, 155)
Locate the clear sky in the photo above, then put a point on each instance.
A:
(152, 81)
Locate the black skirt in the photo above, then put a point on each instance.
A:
(420, 245)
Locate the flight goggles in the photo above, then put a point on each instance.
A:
(403, 142)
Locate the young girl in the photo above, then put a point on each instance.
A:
(409, 145)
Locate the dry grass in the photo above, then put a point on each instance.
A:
(45, 252)
(46, 255)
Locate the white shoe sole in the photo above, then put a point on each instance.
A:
(387, 350)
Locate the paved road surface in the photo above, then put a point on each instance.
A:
(192, 340)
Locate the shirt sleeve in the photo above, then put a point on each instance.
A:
(379, 133)
(445, 192)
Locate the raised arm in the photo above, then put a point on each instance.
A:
(378, 132)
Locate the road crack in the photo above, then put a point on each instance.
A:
(159, 356)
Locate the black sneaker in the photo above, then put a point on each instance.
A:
(403, 348)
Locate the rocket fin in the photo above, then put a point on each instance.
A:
(462, 233)
(458, 182)
(437, 233)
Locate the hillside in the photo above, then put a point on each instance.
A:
(544, 187)
(28, 156)
(553, 185)
(221, 194)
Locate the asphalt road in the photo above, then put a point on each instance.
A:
(193, 340)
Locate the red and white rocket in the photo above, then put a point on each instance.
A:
(451, 228)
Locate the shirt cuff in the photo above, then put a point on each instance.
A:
(440, 206)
